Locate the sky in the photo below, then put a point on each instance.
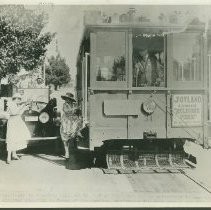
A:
(67, 22)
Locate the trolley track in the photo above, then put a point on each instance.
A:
(151, 176)
(135, 187)
(196, 181)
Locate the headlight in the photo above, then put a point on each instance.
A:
(149, 106)
(44, 117)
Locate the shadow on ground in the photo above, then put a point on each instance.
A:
(53, 159)
(52, 151)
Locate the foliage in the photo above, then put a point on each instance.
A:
(22, 43)
(119, 69)
(57, 72)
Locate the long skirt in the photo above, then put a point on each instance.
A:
(17, 134)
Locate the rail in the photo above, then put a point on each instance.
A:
(37, 138)
(195, 181)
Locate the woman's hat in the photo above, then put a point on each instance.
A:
(69, 96)
(17, 95)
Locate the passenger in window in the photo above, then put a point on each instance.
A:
(148, 69)
(152, 69)
(143, 69)
(140, 79)
(160, 69)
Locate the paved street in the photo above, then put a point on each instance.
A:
(125, 90)
(44, 178)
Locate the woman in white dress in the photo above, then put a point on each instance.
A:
(17, 131)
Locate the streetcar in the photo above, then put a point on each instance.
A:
(143, 91)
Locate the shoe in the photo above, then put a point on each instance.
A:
(15, 158)
(8, 161)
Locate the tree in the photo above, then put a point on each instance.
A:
(22, 43)
(57, 71)
(119, 69)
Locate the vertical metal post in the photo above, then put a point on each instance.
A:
(85, 86)
(206, 85)
(182, 65)
(82, 88)
(209, 85)
(129, 50)
(194, 69)
(93, 41)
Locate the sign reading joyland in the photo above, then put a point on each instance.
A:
(187, 110)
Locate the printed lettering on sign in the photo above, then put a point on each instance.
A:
(187, 110)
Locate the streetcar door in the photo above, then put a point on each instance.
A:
(148, 83)
(85, 86)
(108, 86)
(186, 79)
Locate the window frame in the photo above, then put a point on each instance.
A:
(131, 63)
(170, 83)
(185, 84)
(93, 73)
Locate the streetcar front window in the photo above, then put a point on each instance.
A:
(186, 57)
(148, 60)
(110, 59)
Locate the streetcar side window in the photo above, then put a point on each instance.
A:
(186, 57)
(148, 60)
(110, 60)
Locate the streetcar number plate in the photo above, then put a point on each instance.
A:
(31, 118)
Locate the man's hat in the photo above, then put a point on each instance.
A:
(68, 96)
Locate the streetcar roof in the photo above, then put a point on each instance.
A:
(146, 27)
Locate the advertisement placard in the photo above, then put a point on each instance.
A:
(187, 110)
